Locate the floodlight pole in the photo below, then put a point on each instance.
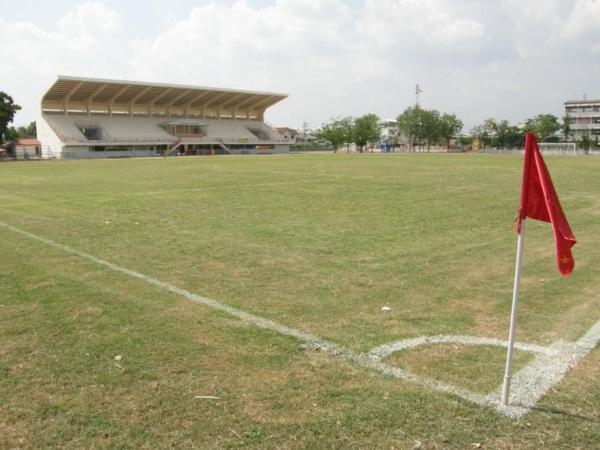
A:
(513, 316)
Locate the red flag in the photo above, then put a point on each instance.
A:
(539, 201)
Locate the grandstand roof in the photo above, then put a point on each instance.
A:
(74, 94)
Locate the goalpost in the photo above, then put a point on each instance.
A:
(558, 148)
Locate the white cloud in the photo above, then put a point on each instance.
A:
(239, 43)
(420, 23)
(90, 20)
(304, 47)
(547, 29)
(330, 58)
(584, 19)
(85, 42)
(473, 57)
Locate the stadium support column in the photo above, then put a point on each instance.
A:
(136, 98)
(155, 100)
(93, 96)
(111, 102)
(69, 95)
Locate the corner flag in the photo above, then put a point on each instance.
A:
(538, 201)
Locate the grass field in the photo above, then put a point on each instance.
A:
(319, 243)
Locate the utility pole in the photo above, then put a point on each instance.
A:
(304, 132)
(418, 90)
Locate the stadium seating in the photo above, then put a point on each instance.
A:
(148, 129)
(89, 117)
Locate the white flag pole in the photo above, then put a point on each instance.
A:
(513, 316)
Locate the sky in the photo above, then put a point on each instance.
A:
(506, 59)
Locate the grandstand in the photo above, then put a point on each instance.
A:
(95, 118)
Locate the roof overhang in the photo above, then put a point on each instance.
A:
(91, 95)
(188, 122)
(582, 102)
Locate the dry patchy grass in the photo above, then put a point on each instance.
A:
(319, 243)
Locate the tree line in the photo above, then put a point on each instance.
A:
(419, 126)
(427, 127)
(501, 134)
(347, 130)
(8, 109)
(12, 133)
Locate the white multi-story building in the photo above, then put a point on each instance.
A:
(389, 131)
(585, 116)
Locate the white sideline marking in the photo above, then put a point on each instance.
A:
(313, 341)
(533, 381)
(529, 384)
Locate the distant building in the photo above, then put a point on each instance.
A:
(288, 134)
(307, 137)
(585, 115)
(389, 131)
(26, 148)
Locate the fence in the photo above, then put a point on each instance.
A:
(545, 151)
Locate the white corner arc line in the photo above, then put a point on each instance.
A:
(385, 350)
(571, 352)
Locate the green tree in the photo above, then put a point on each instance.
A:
(347, 124)
(508, 136)
(486, 132)
(412, 124)
(27, 132)
(466, 140)
(502, 133)
(515, 137)
(408, 124)
(585, 142)
(8, 108)
(431, 126)
(544, 126)
(491, 126)
(427, 126)
(11, 134)
(337, 131)
(481, 134)
(366, 130)
(567, 121)
(449, 126)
